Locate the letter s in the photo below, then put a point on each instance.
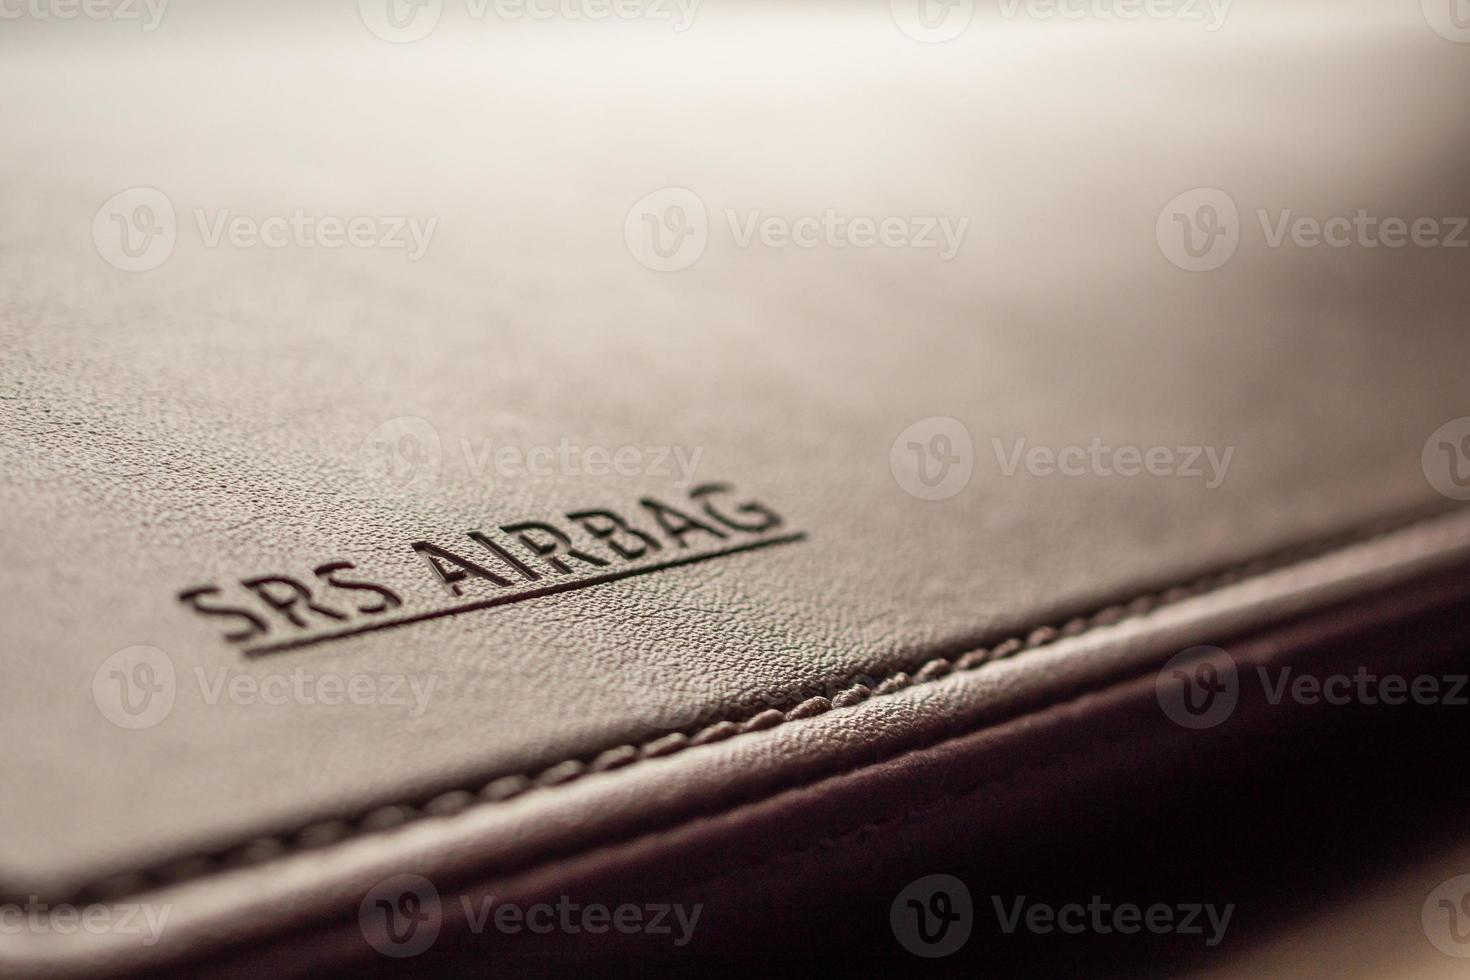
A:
(327, 573)
(257, 626)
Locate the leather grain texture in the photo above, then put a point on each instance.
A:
(215, 419)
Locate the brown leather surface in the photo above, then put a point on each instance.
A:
(1094, 790)
(203, 423)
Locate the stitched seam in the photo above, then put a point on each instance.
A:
(326, 833)
(795, 853)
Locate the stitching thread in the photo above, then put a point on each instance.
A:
(795, 853)
(329, 832)
(1004, 781)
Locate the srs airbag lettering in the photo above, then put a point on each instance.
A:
(492, 566)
